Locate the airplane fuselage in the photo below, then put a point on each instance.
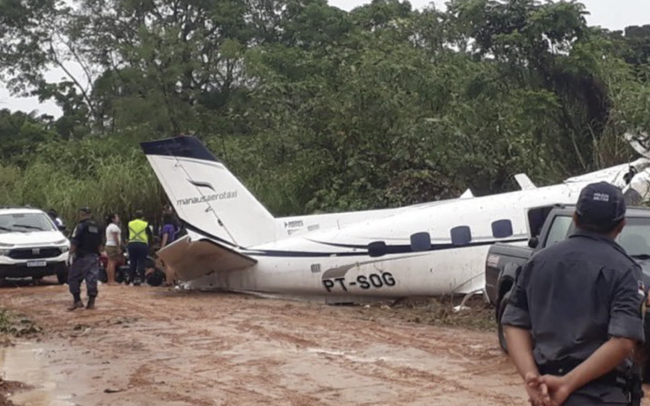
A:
(338, 262)
(431, 249)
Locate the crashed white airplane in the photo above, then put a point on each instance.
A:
(430, 249)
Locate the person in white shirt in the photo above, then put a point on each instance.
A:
(113, 246)
(55, 218)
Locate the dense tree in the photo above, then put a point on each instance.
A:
(315, 108)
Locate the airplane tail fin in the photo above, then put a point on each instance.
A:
(206, 195)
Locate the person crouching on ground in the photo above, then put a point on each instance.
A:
(83, 258)
(113, 246)
(140, 237)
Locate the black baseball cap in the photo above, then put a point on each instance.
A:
(85, 209)
(601, 203)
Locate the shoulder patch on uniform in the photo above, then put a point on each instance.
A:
(644, 299)
(93, 229)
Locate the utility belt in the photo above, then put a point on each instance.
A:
(138, 242)
(81, 253)
(630, 383)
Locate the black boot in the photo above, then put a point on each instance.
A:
(91, 302)
(77, 304)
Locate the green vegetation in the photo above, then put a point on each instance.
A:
(316, 109)
(5, 320)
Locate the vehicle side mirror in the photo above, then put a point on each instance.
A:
(533, 242)
(62, 228)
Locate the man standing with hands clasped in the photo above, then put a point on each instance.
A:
(576, 311)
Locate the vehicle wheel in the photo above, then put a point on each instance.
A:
(502, 308)
(62, 276)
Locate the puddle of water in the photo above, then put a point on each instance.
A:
(26, 363)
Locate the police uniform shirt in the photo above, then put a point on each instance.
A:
(87, 237)
(574, 295)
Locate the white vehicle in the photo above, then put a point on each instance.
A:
(31, 245)
(431, 249)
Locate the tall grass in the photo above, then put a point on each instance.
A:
(112, 175)
(117, 183)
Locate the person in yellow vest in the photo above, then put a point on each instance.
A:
(140, 238)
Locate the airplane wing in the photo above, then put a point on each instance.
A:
(524, 182)
(193, 258)
(610, 174)
(467, 194)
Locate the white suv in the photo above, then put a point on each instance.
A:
(31, 245)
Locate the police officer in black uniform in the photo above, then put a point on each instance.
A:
(84, 253)
(576, 311)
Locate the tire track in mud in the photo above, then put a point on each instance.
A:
(407, 377)
(433, 384)
(457, 351)
(201, 340)
(220, 349)
(390, 375)
(485, 358)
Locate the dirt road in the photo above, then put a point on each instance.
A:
(154, 346)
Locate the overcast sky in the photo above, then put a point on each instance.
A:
(611, 14)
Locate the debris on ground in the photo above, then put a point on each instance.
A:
(111, 390)
(8, 388)
(475, 314)
(16, 325)
(207, 349)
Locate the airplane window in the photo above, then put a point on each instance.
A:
(420, 242)
(558, 230)
(502, 228)
(377, 248)
(461, 235)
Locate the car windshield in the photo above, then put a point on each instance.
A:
(635, 237)
(25, 222)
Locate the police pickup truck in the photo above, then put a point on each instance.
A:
(547, 226)
(31, 245)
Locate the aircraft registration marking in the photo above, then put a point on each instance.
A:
(373, 280)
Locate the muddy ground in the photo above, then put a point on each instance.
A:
(156, 346)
